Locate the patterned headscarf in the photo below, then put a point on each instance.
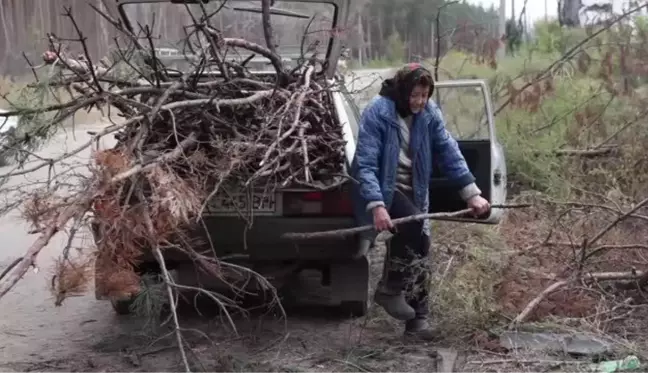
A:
(399, 88)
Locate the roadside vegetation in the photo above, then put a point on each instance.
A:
(570, 113)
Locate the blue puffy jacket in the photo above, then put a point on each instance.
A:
(376, 158)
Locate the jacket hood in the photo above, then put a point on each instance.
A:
(399, 88)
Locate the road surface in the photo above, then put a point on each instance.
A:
(36, 334)
(31, 327)
(364, 84)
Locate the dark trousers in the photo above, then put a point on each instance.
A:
(407, 266)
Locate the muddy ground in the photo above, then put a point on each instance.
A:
(86, 335)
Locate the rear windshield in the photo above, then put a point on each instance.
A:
(172, 23)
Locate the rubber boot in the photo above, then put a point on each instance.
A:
(392, 300)
(419, 329)
(390, 294)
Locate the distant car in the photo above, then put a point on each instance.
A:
(166, 52)
(7, 128)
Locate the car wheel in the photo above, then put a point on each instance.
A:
(4, 160)
(355, 308)
(122, 306)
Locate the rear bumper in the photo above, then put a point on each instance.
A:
(263, 241)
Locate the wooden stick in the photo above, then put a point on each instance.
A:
(536, 301)
(597, 276)
(341, 233)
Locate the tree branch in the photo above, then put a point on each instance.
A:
(341, 233)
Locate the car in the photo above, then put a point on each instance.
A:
(339, 268)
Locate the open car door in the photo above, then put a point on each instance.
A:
(468, 113)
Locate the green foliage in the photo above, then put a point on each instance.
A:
(552, 38)
(548, 36)
(150, 302)
(641, 23)
(580, 111)
(32, 129)
(531, 138)
(395, 49)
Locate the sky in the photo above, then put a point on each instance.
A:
(536, 8)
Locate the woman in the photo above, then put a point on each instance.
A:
(400, 133)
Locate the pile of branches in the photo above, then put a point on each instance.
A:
(185, 135)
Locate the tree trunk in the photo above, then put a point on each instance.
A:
(370, 47)
(568, 12)
(361, 44)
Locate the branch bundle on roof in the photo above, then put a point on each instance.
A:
(183, 136)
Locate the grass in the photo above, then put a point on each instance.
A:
(473, 262)
(482, 274)
(530, 136)
(468, 263)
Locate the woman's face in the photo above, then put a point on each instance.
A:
(418, 98)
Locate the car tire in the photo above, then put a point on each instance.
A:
(355, 308)
(4, 160)
(122, 307)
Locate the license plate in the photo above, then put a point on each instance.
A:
(234, 203)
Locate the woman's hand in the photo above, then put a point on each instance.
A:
(382, 220)
(479, 205)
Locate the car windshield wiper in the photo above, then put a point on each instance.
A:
(278, 12)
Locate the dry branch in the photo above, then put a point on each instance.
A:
(77, 208)
(342, 233)
(186, 138)
(585, 152)
(590, 277)
(584, 248)
(29, 259)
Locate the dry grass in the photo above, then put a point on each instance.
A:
(468, 263)
(536, 265)
(483, 276)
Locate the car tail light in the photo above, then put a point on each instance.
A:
(331, 203)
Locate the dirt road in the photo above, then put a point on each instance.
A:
(32, 329)
(364, 84)
(85, 335)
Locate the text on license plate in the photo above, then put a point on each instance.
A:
(240, 202)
